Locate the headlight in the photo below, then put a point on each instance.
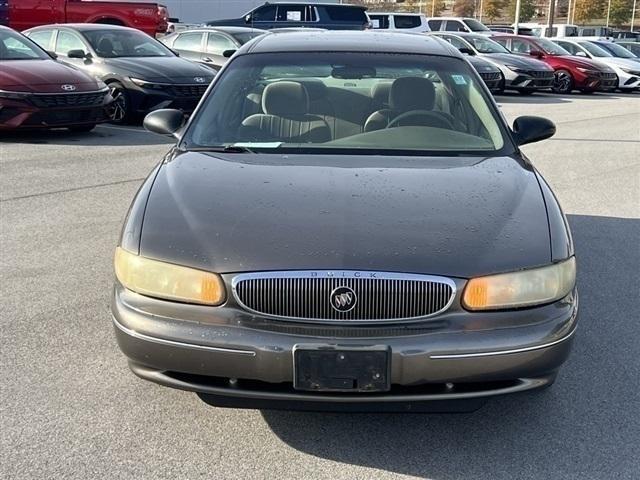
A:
(627, 70)
(514, 68)
(588, 71)
(13, 95)
(145, 84)
(521, 289)
(168, 281)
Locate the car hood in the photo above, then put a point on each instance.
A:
(619, 62)
(517, 61)
(43, 76)
(481, 65)
(580, 62)
(160, 69)
(458, 217)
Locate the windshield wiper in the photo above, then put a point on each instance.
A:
(220, 148)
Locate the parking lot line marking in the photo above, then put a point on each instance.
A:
(87, 187)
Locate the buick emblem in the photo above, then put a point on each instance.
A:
(199, 79)
(68, 88)
(343, 299)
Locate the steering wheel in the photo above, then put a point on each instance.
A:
(439, 118)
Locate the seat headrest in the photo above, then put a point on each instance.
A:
(412, 93)
(285, 99)
(380, 93)
(105, 46)
(316, 89)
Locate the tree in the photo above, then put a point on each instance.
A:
(587, 10)
(464, 8)
(527, 10)
(620, 12)
(493, 9)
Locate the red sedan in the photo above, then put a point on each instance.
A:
(571, 73)
(38, 92)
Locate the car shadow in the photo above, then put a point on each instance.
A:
(102, 135)
(585, 426)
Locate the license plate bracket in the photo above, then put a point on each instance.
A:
(329, 368)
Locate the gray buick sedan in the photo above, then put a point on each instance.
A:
(346, 223)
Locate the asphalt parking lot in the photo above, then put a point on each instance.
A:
(71, 409)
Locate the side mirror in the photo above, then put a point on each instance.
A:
(530, 129)
(466, 51)
(580, 54)
(536, 53)
(166, 121)
(462, 29)
(247, 18)
(79, 53)
(53, 55)
(228, 53)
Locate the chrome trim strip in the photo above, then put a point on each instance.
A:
(173, 343)
(102, 90)
(502, 352)
(346, 274)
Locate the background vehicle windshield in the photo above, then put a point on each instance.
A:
(617, 50)
(125, 43)
(595, 50)
(475, 25)
(360, 102)
(16, 47)
(551, 48)
(486, 45)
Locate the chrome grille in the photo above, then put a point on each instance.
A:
(547, 74)
(189, 90)
(379, 296)
(68, 99)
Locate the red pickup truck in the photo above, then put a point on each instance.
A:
(145, 15)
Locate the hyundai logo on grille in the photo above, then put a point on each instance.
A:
(68, 88)
(199, 79)
(343, 299)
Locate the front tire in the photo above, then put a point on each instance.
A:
(562, 82)
(119, 111)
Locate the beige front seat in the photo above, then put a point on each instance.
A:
(286, 105)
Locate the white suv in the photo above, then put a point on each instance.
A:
(407, 22)
(457, 24)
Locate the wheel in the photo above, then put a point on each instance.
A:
(119, 111)
(562, 82)
(83, 128)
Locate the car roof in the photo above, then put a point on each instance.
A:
(223, 29)
(84, 27)
(398, 13)
(315, 4)
(350, 41)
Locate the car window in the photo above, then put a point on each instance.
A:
(454, 26)
(379, 21)
(264, 14)
(434, 24)
(520, 46)
(191, 42)
(346, 14)
(569, 47)
(15, 47)
(616, 50)
(588, 32)
(570, 31)
(68, 41)
(406, 21)
(43, 38)
(486, 45)
(475, 26)
(551, 48)
(438, 106)
(456, 41)
(244, 37)
(291, 13)
(110, 43)
(217, 44)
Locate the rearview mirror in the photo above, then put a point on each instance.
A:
(79, 53)
(529, 129)
(166, 121)
(466, 51)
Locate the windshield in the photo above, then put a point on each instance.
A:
(244, 37)
(616, 50)
(551, 48)
(358, 103)
(110, 43)
(594, 50)
(486, 45)
(475, 25)
(16, 47)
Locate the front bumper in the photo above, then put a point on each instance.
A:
(534, 80)
(234, 358)
(180, 97)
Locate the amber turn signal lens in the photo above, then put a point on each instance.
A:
(525, 288)
(166, 280)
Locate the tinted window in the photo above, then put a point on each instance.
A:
(15, 47)
(188, 41)
(68, 41)
(456, 42)
(588, 32)
(519, 46)
(217, 44)
(594, 50)
(569, 47)
(571, 32)
(406, 21)
(264, 14)
(110, 43)
(291, 13)
(346, 14)
(475, 26)
(379, 21)
(43, 38)
(439, 107)
(434, 24)
(616, 50)
(244, 37)
(551, 48)
(486, 45)
(454, 26)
